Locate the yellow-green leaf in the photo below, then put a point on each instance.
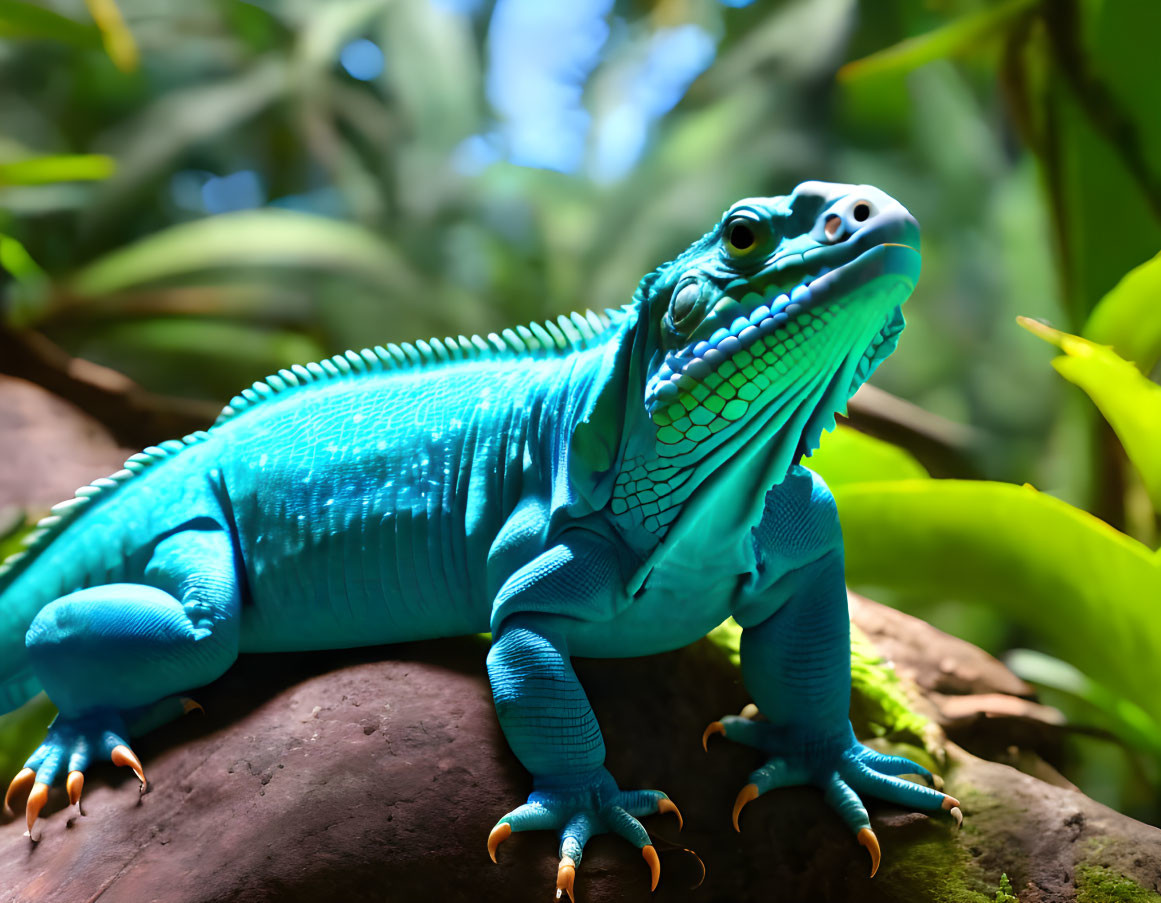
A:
(848, 456)
(1129, 317)
(1129, 401)
(964, 34)
(115, 34)
(57, 168)
(1082, 590)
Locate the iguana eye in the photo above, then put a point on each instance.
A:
(743, 234)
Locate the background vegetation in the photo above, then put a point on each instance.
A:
(194, 195)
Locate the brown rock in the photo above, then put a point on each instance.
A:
(341, 776)
(48, 446)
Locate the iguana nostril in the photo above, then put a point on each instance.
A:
(833, 226)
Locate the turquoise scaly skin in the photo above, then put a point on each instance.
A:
(601, 486)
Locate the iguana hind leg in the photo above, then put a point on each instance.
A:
(113, 657)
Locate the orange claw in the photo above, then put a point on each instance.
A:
(665, 804)
(123, 755)
(36, 801)
(565, 875)
(191, 705)
(75, 784)
(868, 839)
(19, 787)
(747, 794)
(715, 727)
(498, 835)
(650, 855)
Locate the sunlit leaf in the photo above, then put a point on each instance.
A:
(1129, 317)
(59, 168)
(19, 19)
(115, 35)
(17, 262)
(1129, 401)
(269, 237)
(848, 456)
(960, 36)
(1123, 718)
(1084, 591)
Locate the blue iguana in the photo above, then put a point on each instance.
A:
(610, 485)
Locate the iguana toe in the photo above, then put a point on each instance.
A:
(951, 806)
(123, 755)
(18, 789)
(868, 839)
(565, 876)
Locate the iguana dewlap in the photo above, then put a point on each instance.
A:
(601, 486)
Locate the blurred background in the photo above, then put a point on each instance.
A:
(196, 194)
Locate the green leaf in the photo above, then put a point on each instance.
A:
(58, 168)
(115, 35)
(1129, 401)
(848, 456)
(16, 260)
(963, 35)
(1129, 317)
(1081, 589)
(1123, 718)
(19, 19)
(250, 238)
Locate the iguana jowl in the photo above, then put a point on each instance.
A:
(599, 487)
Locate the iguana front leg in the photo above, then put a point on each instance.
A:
(796, 665)
(544, 713)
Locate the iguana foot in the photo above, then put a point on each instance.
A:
(75, 743)
(581, 810)
(843, 768)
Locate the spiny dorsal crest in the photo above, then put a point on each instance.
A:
(66, 512)
(575, 332)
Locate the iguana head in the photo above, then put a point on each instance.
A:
(756, 335)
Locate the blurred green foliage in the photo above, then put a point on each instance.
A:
(1023, 134)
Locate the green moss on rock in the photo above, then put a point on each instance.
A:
(929, 867)
(1100, 884)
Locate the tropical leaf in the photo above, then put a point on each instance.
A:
(1129, 317)
(962, 35)
(1084, 591)
(268, 237)
(1129, 401)
(57, 168)
(19, 19)
(115, 35)
(848, 456)
(1126, 720)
